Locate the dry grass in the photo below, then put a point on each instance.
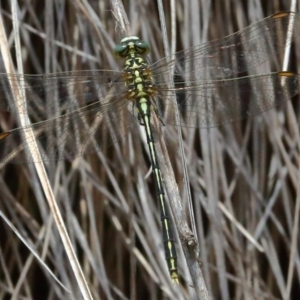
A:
(244, 175)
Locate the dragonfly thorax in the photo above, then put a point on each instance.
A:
(137, 74)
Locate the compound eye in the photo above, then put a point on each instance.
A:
(120, 50)
(142, 47)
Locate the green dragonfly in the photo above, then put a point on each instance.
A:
(82, 112)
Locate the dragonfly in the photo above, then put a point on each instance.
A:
(82, 112)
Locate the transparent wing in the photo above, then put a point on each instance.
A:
(213, 103)
(88, 110)
(258, 48)
(50, 95)
(83, 131)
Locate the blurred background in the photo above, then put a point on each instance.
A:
(243, 176)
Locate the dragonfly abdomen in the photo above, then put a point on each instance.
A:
(144, 110)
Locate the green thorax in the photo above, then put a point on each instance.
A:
(137, 73)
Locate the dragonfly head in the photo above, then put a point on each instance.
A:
(131, 45)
